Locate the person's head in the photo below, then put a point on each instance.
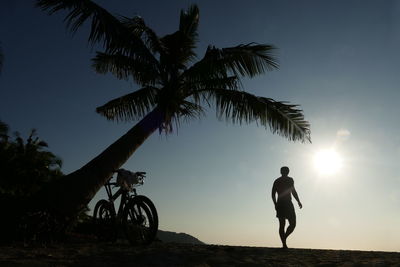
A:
(284, 171)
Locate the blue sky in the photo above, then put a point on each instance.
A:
(339, 61)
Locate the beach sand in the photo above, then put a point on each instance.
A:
(167, 254)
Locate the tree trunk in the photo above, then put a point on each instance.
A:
(74, 191)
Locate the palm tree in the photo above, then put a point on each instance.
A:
(173, 87)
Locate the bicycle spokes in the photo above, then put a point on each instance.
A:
(138, 223)
(105, 221)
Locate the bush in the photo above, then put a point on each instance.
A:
(25, 168)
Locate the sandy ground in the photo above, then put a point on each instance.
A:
(162, 254)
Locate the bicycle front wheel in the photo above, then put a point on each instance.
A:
(152, 209)
(139, 225)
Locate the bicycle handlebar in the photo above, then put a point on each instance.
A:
(140, 176)
(138, 173)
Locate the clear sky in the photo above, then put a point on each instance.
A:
(339, 61)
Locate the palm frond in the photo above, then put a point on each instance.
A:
(186, 111)
(178, 48)
(195, 88)
(123, 67)
(138, 27)
(231, 82)
(104, 27)
(190, 110)
(241, 107)
(174, 54)
(132, 106)
(242, 60)
(188, 24)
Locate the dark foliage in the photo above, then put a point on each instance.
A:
(25, 167)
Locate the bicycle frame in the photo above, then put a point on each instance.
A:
(120, 192)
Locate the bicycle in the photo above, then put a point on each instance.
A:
(136, 214)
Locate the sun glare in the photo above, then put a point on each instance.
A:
(327, 162)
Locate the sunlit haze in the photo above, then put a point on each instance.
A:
(339, 60)
(327, 162)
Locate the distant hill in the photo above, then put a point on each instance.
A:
(172, 237)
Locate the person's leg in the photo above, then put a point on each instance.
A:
(282, 223)
(292, 225)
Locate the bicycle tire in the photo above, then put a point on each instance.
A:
(104, 221)
(139, 223)
(153, 211)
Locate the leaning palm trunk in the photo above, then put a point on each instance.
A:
(68, 196)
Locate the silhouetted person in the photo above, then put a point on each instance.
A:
(284, 186)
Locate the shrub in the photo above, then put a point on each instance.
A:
(25, 167)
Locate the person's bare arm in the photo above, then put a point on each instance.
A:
(273, 194)
(294, 193)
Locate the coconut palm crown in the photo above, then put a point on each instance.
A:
(172, 79)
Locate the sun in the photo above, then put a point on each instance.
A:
(327, 162)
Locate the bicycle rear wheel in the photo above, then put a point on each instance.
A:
(138, 222)
(104, 220)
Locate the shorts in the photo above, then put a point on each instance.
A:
(285, 209)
